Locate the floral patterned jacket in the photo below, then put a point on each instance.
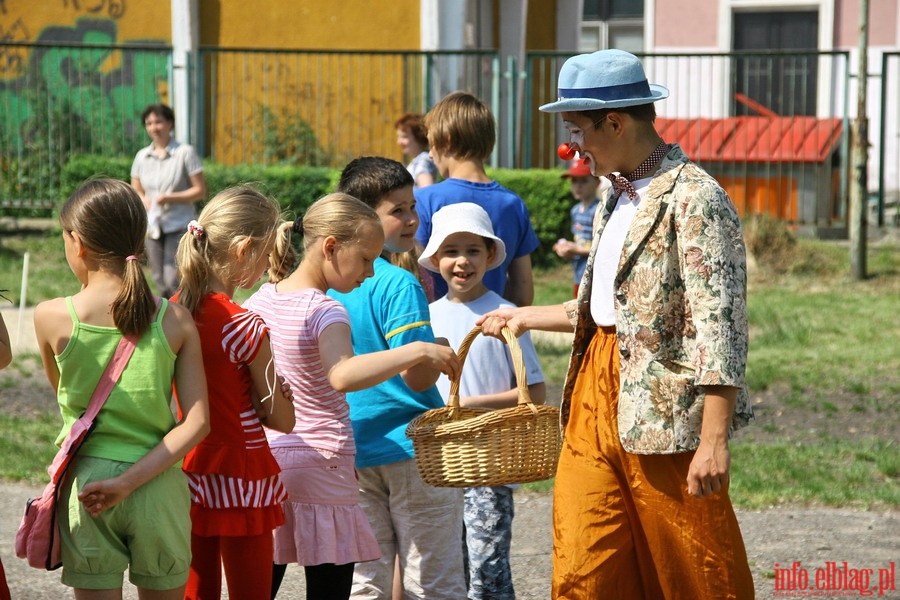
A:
(681, 314)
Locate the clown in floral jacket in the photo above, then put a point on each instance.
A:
(681, 312)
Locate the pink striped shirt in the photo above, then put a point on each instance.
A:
(296, 320)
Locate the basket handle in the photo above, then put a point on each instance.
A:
(518, 367)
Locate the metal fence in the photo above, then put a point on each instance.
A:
(58, 100)
(888, 128)
(772, 126)
(324, 108)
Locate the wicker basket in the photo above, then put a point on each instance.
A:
(468, 447)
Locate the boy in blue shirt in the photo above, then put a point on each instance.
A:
(461, 134)
(419, 523)
(585, 190)
(462, 249)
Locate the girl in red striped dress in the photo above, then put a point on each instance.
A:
(236, 492)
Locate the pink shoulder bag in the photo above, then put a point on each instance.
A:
(37, 539)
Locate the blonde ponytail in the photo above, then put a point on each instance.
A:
(192, 258)
(283, 259)
(233, 217)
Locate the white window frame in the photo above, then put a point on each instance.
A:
(603, 28)
(825, 8)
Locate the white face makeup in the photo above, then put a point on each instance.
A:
(577, 142)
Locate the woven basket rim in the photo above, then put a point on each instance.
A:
(517, 444)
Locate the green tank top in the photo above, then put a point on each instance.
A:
(138, 412)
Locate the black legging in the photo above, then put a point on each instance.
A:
(323, 582)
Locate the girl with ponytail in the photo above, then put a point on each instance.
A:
(125, 504)
(340, 238)
(236, 491)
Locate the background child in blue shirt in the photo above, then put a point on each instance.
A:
(585, 189)
(461, 134)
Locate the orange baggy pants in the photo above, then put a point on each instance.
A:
(624, 525)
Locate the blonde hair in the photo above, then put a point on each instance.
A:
(111, 222)
(409, 261)
(461, 126)
(232, 217)
(339, 215)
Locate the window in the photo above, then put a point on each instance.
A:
(785, 84)
(612, 24)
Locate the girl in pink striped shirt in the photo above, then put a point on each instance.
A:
(325, 529)
(236, 491)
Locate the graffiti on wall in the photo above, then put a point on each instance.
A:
(59, 100)
(12, 59)
(114, 9)
(100, 87)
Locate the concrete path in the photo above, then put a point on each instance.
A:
(20, 324)
(530, 556)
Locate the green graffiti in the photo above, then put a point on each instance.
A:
(68, 100)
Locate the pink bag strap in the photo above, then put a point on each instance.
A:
(82, 427)
(107, 382)
(109, 378)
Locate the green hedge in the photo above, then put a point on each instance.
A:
(296, 187)
(89, 166)
(548, 200)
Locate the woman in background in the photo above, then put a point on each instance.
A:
(168, 176)
(413, 141)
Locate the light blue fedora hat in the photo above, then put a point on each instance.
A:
(604, 79)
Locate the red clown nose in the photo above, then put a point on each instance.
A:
(565, 151)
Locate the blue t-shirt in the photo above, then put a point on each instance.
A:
(387, 311)
(582, 232)
(508, 213)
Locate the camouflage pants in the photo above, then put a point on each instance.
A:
(487, 535)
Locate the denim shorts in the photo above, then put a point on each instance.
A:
(148, 533)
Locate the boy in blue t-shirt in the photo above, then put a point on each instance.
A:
(462, 249)
(585, 189)
(419, 523)
(461, 134)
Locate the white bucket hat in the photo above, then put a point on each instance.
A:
(463, 217)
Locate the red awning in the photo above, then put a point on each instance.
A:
(753, 138)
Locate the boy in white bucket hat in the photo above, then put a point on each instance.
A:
(655, 385)
(462, 248)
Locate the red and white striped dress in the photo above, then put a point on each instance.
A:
(235, 487)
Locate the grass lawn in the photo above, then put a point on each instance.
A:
(823, 372)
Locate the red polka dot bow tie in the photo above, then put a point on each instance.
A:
(622, 183)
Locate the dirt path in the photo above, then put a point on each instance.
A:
(812, 537)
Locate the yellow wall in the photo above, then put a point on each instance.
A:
(311, 24)
(32, 20)
(540, 28)
(540, 34)
(363, 97)
(104, 88)
(261, 97)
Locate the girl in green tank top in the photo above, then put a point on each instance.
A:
(115, 520)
